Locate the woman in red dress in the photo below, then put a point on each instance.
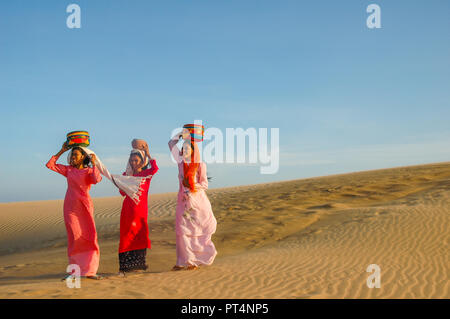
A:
(134, 233)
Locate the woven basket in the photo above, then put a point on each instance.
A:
(196, 131)
(78, 138)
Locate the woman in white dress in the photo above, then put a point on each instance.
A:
(195, 222)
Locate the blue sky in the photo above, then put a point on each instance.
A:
(345, 97)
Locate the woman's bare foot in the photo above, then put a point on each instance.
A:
(176, 267)
(68, 277)
(95, 277)
(191, 267)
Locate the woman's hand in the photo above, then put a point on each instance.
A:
(141, 145)
(93, 160)
(178, 136)
(146, 150)
(175, 139)
(186, 182)
(63, 149)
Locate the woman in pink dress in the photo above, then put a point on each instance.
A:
(82, 246)
(194, 222)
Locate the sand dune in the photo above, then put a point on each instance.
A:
(309, 238)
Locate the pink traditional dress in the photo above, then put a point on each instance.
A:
(82, 246)
(194, 221)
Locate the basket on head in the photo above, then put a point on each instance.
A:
(78, 138)
(197, 131)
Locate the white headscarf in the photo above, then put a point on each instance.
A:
(131, 185)
(129, 170)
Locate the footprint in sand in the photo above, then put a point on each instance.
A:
(352, 221)
(14, 266)
(325, 206)
(351, 195)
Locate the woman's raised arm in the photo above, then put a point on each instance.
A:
(51, 164)
(173, 147)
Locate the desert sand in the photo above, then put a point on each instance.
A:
(307, 238)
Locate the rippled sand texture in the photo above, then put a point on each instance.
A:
(309, 238)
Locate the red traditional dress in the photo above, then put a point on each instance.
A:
(134, 233)
(82, 245)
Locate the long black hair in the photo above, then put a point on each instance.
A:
(87, 159)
